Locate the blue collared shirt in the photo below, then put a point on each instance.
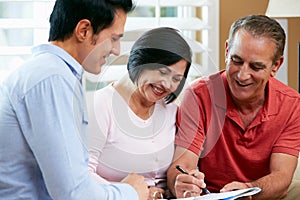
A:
(43, 121)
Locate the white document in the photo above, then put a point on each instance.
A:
(226, 195)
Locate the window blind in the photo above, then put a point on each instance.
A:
(24, 23)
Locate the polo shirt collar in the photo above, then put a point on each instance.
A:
(271, 103)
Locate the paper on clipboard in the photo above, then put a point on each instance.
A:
(231, 195)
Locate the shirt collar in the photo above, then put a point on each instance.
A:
(74, 66)
(271, 106)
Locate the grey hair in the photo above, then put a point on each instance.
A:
(261, 26)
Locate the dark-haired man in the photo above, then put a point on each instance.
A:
(43, 116)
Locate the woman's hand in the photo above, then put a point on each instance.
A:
(156, 193)
(138, 183)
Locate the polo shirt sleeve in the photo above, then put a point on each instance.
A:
(289, 139)
(190, 133)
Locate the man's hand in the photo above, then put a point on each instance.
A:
(139, 184)
(189, 183)
(235, 185)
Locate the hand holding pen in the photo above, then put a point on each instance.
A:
(185, 172)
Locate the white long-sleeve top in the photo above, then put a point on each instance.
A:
(121, 142)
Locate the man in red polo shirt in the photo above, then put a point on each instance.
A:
(240, 127)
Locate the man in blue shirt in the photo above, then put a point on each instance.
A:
(43, 115)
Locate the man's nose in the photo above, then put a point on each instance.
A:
(116, 48)
(244, 72)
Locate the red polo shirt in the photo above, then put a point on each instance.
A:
(209, 125)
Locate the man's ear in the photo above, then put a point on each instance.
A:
(226, 49)
(83, 30)
(276, 66)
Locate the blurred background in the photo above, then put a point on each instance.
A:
(204, 24)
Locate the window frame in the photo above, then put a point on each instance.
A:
(207, 25)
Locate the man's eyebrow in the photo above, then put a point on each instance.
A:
(236, 56)
(261, 64)
(117, 36)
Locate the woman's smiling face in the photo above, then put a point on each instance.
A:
(156, 84)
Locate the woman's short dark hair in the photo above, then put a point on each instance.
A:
(67, 13)
(157, 48)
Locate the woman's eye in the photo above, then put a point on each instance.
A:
(176, 79)
(162, 71)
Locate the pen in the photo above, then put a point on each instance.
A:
(185, 172)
